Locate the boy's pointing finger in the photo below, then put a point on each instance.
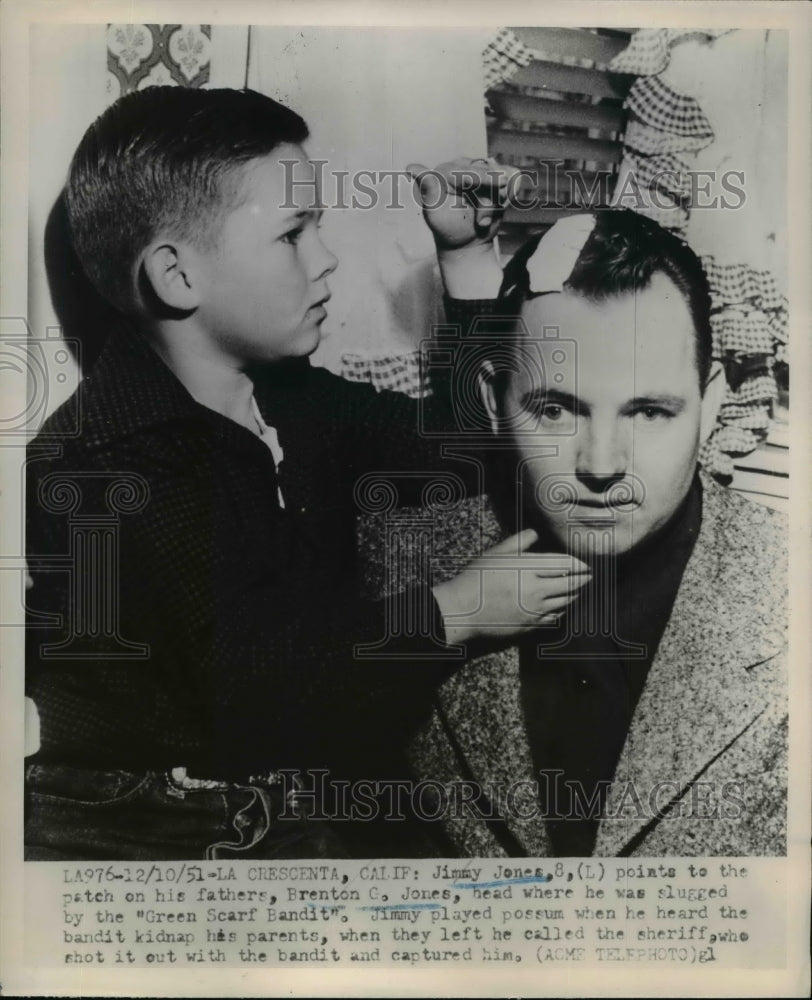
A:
(429, 183)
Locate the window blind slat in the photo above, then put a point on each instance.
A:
(578, 43)
(522, 107)
(568, 79)
(547, 212)
(553, 147)
(760, 483)
(766, 458)
(548, 182)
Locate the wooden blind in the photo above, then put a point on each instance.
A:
(763, 475)
(560, 118)
(566, 108)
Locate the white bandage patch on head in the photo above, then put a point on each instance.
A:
(557, 253)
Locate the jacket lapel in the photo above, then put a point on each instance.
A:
(481, 713)
(699, 695)
(482, 709)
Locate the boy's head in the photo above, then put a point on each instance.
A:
(609, 387)
(173, 198)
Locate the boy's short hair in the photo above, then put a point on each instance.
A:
(164, 159)
(622, 254)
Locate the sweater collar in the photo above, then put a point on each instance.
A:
(130, 389)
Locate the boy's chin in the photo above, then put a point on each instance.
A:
(307, 342)
(302, 346)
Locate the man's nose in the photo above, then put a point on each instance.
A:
(602, 457)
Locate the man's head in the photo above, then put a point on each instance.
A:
(179, 205)
(610, 389)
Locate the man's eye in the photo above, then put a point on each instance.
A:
(653, 413)
(543, 412)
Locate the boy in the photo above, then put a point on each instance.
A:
(214, 647)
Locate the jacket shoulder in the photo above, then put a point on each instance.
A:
(64, 424)
(748, 548)
(743, 527)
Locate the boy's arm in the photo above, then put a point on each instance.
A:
(462, 204)
(248, 636)
(300, 662)
(386, 431)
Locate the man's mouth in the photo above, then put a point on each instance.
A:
(607, 504)
(603, 510)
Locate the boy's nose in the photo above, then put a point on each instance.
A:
(326, 261)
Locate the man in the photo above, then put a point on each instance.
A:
(650, 719)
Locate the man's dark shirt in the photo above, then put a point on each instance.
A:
(247, 613)
(578, 711)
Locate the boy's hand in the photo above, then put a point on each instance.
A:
(507, 591)
(463, 201)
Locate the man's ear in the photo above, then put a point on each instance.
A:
(486, 377)
(712, 399)
(170, 270)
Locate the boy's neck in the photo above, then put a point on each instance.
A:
(210, 377)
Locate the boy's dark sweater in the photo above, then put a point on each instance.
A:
(249, 613)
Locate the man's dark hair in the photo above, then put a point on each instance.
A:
(622, 254)
(164, 159)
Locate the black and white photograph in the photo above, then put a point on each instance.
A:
(405, 539)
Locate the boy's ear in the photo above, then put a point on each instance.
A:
(486, 377)
(170, 268)
(712, 399)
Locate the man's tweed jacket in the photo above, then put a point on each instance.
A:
(704, 767)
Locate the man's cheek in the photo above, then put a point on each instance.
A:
(658, 463)
(538, 479)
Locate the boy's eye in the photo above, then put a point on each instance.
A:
(292, 237)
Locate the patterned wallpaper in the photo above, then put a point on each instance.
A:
(148, 55)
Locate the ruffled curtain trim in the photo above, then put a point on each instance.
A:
(650, 48)
(665, 131)
(399, 372)
(503, 57)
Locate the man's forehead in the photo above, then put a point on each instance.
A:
(649, 333)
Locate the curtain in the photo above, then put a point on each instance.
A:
(707, 122)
